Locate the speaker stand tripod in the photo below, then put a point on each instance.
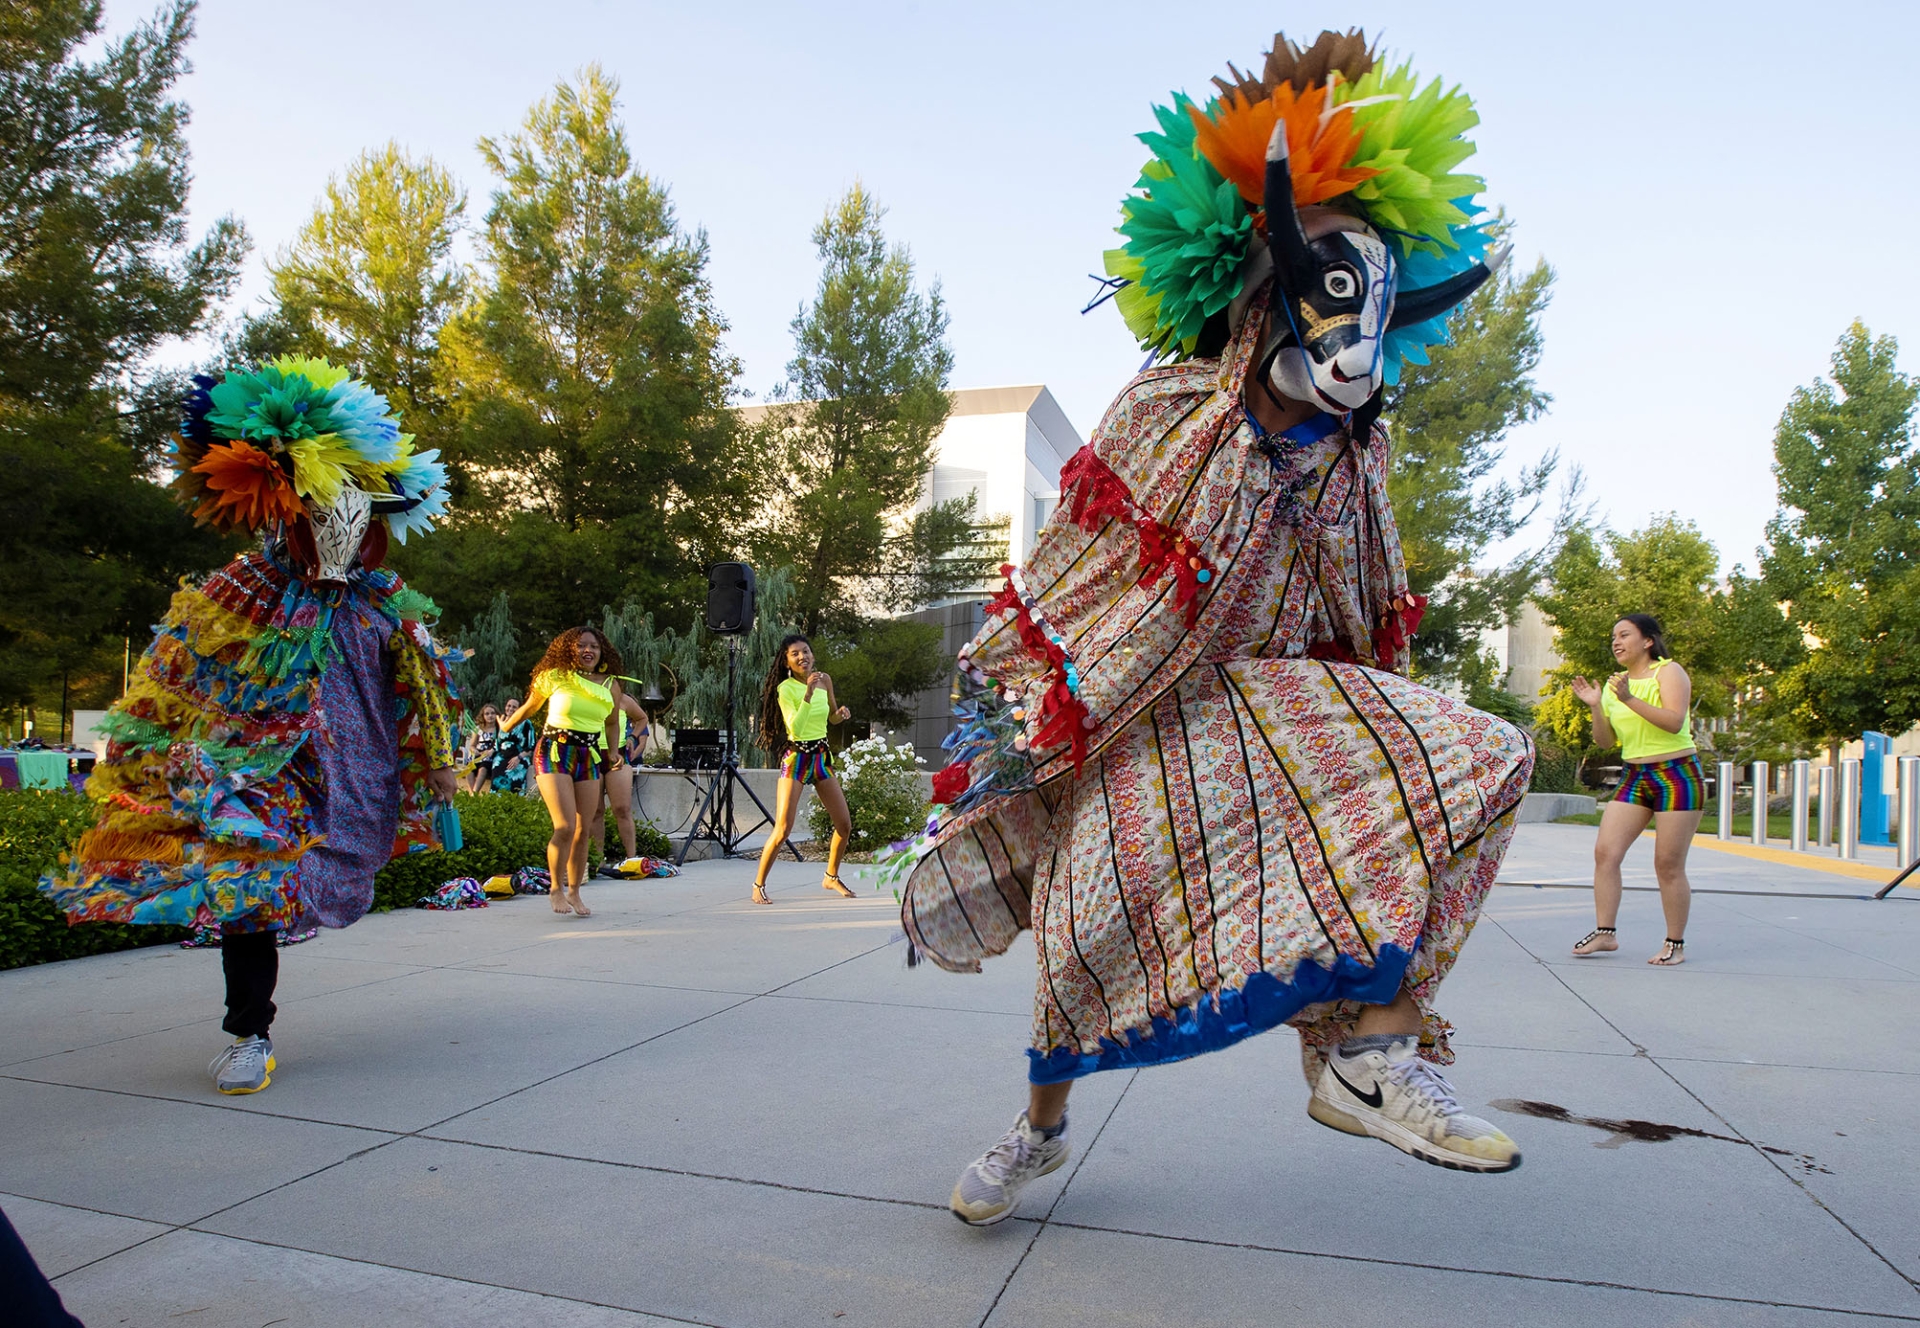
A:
(714, 819)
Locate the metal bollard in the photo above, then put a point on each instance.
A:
(1848, 809)
(1762, 787)
(1826, 806)
(1906, 813)
(1802, 780)
(1724, 790)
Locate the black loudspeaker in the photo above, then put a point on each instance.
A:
(729, 599)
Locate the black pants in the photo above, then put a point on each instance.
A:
(30, 1300)
(252, 965)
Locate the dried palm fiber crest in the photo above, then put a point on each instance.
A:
(1363, 136)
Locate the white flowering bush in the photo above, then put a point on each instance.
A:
(882, 784)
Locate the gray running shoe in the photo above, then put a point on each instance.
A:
(1393, 1095)
(990, 1187)
(244, 1067)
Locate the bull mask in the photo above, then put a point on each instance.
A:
(329, 540)
(1335, 297)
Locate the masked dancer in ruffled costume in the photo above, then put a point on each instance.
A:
(1190, 758)
(292, 726)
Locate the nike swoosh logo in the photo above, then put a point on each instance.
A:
(1372, 1098)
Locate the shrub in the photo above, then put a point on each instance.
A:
(1556, 769)
(882, 785)
(36, 827)
(503, 832)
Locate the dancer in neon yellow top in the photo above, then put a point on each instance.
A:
(1646, 709)
(796, 705)
(577, 748)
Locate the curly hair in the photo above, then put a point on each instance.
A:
(563, 652)
(773, 724)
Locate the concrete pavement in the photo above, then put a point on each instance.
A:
(690, 1110)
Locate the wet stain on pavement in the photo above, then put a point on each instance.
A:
(1621, 1132)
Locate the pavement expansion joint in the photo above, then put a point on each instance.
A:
(1423, 1266)
(656, 1169)
(1798, 1182)
(1046, 1218)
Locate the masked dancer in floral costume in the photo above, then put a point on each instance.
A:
(292, 726)
(1190, 758)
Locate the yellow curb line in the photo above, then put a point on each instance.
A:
(1860, 871)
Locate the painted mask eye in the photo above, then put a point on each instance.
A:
(1341, 284)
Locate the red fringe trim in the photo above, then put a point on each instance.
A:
(1064, 717)
(1095, 495)
(1396, 633)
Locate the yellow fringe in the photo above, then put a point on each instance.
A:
(210, 628)
(120, 846)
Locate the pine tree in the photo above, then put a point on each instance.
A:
(491, 672)
(864, 400)
(598, 457)
(1448, 421)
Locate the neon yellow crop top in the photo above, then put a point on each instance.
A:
(806, 720)
(1641, 738)
(576, 703)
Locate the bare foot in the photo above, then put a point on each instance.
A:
(579, 908)
(838, 886)
(1673, 952)
(559, 901)
(1598, 941)
(760, 894)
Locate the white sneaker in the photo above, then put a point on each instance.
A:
(1391, 1094)
(246, 1066)
(990, 1187)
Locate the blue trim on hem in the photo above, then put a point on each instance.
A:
(1215, 1023)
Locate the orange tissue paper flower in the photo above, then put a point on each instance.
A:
(1234, 138)
(246, 488)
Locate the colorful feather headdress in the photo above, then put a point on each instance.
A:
(255, 443)
(1361, 136)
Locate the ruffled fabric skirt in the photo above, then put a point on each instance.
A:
(265, 763)
(1273, 841)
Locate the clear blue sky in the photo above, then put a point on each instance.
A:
(1721, 187)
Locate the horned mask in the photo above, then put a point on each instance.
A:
(1336, 296)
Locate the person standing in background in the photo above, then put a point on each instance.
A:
(1646, 710)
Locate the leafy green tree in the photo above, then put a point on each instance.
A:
(370, 280)
(96, 270)
(1844, 548)
(1450, 419)
(1668, 569)
(597, 458)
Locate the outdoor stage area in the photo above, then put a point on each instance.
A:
(690, 1110)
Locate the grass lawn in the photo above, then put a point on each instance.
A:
(1779, 824)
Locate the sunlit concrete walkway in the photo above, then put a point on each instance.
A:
(690, 1110)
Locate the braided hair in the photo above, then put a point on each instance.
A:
(773, 724)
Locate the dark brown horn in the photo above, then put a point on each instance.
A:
(1293, 264)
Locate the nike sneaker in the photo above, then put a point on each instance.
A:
(244, 1067)
(990, 1186)
(1391, 1094)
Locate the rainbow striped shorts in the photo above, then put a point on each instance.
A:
(1679, 785)
(571, 753)
(808, 762)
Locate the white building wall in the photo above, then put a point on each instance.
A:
(1007, 445)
